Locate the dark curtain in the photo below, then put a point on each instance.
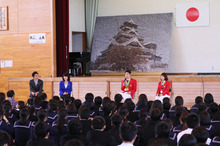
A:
(62, 36)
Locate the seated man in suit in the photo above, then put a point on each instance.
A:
(36, 85)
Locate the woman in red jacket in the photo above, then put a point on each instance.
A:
(164, 88)
(128, 86)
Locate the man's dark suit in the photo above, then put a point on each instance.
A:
(34, 88)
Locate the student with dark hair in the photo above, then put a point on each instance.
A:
(123, 111)
(8, 112)
(11, 98)
(208, 99)
(162, 131)
(147, 131)
(159, 143)
(22, 128)
(5, 139)
(36, 85)
(142, 103)
(41, 131)
(178, 102)
(89, 97)
(116, 121)
(84, 119)
(158, 105)
(182, 126)
(78, 104)
(98, 103)
(32, 113)
(56, 98)
(166, 106)
(201, 135)
(105, 100)
(118, 98)
(41, 118)
(205, 120)
(194, 108)
(192, 121)
(30, 102)
(164, 87)
(187, 140)
(178, 111)
(2, 97)
(20, 105)
(74, 142)
(132, 116)
(128, 133)
(97, 136)
(71, 111)
(4, 123)
(59, 127)
(44, 100)
(213, 109)
(37, 103)
(143, 114)
(74, 132)
(128, 86)
(52, 111)
(65, 86)
(107, 111)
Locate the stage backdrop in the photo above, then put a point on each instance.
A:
(140, 43)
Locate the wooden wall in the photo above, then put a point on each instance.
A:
(186, 86)
(27, 16)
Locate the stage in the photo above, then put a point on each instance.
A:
(188, 86)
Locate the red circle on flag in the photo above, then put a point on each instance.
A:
(192, 14)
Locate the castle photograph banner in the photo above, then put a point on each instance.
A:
(140, 43)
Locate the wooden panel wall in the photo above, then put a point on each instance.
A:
(26, 16)
(186, 86)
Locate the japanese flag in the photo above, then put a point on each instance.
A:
(192, 14)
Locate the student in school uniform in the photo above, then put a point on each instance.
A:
(71, 112)
(194, 108)
(74, 132)
(5, 125)
(128, 133)
(97, 136)
(84, 119)
(22, 128)
(52, 111)
(59, 127)
(116, 121)
(41, 131)
(4, 138)
(8, 112)
(11, 98)
(42, 118)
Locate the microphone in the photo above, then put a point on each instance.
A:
(124, 80)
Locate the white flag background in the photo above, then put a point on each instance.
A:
(192, 14)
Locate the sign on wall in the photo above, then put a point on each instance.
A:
(3, 17)
(37, 38)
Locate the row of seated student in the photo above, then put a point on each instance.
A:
(102, 121)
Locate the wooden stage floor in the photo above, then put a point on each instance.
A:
(187, 86)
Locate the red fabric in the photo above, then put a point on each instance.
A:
(62, 36)
(166, 88)
(132, 87)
